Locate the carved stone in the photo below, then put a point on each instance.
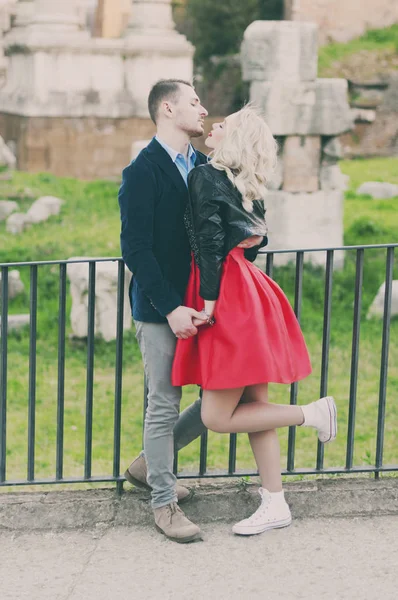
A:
(301, 157)
(105, 299)
(313, 108)
(279, 51)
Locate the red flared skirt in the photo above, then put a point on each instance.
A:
(256, 338)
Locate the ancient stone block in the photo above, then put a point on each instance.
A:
(276, 180)
(312, 220)
(378, 189)
(331, 178)
(377, 307)
(7, 158)
(16, 223)
(313, 108)
(16, 322)
(43, 209)
(301, 158)
(15, 285)
(105, 299)
(279, 51)
(6, 208)
(332, 149)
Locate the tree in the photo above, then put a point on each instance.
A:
(217, 27)
(272, 10)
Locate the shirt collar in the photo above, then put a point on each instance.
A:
(173, 153)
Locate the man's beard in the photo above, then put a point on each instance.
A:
(195, 134)
(189, 130)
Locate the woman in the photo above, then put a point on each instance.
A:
(251, 336)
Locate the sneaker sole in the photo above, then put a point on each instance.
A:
(269, 526)
(144, 486)
(186, 540)
(333, 420)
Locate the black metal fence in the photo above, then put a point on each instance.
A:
(291, 467)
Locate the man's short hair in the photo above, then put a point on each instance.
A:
(165, 89)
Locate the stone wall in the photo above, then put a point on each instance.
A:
(343, 20)
(86, 148)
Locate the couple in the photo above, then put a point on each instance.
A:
(204, 314)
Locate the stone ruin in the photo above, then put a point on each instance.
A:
(106, 286)
(306, 115)
(73, 103)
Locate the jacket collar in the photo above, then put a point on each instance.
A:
(165, 162)
(161, 157)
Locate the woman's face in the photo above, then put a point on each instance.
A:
(216, 134)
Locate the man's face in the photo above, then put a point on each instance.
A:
(188, 112)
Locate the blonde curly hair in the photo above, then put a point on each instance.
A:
(247, 153)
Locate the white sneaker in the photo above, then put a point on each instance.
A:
(272, 513)
(322, 415)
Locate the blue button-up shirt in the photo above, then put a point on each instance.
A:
(179, 160)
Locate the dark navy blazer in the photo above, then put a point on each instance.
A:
(153, 198)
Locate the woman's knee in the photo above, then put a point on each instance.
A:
(212, 421)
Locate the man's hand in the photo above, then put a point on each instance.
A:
(254, 240)
(180, 321)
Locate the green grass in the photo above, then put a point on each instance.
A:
(374, 52)
(371, 221)
(89, 226)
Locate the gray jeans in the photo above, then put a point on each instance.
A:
(164, 428)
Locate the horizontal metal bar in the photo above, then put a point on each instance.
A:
(328, 471)
(294, 250)
(207, 475)
(22, 482)
(262, 251)
(63, 261)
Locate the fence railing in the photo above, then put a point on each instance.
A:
(291, 467)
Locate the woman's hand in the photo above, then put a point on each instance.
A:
(210, 306)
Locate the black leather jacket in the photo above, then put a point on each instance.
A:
(217, 222)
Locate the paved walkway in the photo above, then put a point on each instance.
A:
(353, 559)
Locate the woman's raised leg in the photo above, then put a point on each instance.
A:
(222, 412)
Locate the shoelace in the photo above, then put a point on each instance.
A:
(173, 509)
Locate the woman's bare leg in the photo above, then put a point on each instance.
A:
(266, 450)
(222, 412)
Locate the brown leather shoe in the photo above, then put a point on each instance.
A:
(171, 521)
(136, 474)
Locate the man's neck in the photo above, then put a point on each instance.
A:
(176, 139)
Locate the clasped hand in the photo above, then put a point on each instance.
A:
(184, 321)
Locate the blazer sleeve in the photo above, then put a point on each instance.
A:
(209, 232)
(137, 200)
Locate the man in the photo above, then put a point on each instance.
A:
(153, 198)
